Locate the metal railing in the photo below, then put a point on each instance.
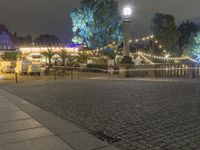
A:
(162, 71)
(143, 71)
(78, 72)
(124, 71)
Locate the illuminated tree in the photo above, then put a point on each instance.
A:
(63, 55)
(97, 23)
(111, 50)
(48, 55)
(194, 50)
(187, 29)
(83, 56)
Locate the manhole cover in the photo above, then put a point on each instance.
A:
(106, 136)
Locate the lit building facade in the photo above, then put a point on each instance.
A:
(29, 50)
(8, 41)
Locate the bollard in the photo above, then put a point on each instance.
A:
(63, 72)
(16, 78)
(109, 72)
(55, 73)
(89, 73)
(77, 73)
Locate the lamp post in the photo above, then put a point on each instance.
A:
(127, 11)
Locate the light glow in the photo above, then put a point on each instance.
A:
(127, 11)
(28, 50)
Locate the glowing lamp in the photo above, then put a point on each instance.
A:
(127, 11)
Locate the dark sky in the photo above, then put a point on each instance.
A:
(52, 16)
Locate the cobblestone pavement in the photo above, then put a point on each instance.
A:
(145, 115)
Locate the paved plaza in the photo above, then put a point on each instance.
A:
(141, 115)
(20, 131)
(24, 126)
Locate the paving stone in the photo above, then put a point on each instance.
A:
(24, 135)
(24, 105)
(55, 124)
(7, 106)
(83, 141)
(5, 103)
(3, 99)
(108, 148)
(12, 116)
(47, 143)
(18, 125)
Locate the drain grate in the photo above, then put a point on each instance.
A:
(106, 136)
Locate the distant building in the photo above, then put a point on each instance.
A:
(8, 42)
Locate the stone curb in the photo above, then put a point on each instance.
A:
(77, 138)
(178, 80)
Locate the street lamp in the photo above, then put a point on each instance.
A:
(127, 12)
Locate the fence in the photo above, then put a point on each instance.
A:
(131, 71)
(161, 71)
(56, 73)
(79, 72)
(124, 71)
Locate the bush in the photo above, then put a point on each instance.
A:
(11, 55)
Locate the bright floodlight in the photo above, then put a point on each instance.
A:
(127, 11)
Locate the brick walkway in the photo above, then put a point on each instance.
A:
(144, 115)
(19, 129)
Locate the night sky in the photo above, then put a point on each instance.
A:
(52, 16)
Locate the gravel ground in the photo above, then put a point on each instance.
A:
(144, 115)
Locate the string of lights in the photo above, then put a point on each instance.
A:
(164, 57)
(147, 60)
(148, 38)
(145, 56)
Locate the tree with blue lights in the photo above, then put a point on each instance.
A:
(97, 23)
(194, 50)
(188, 30)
